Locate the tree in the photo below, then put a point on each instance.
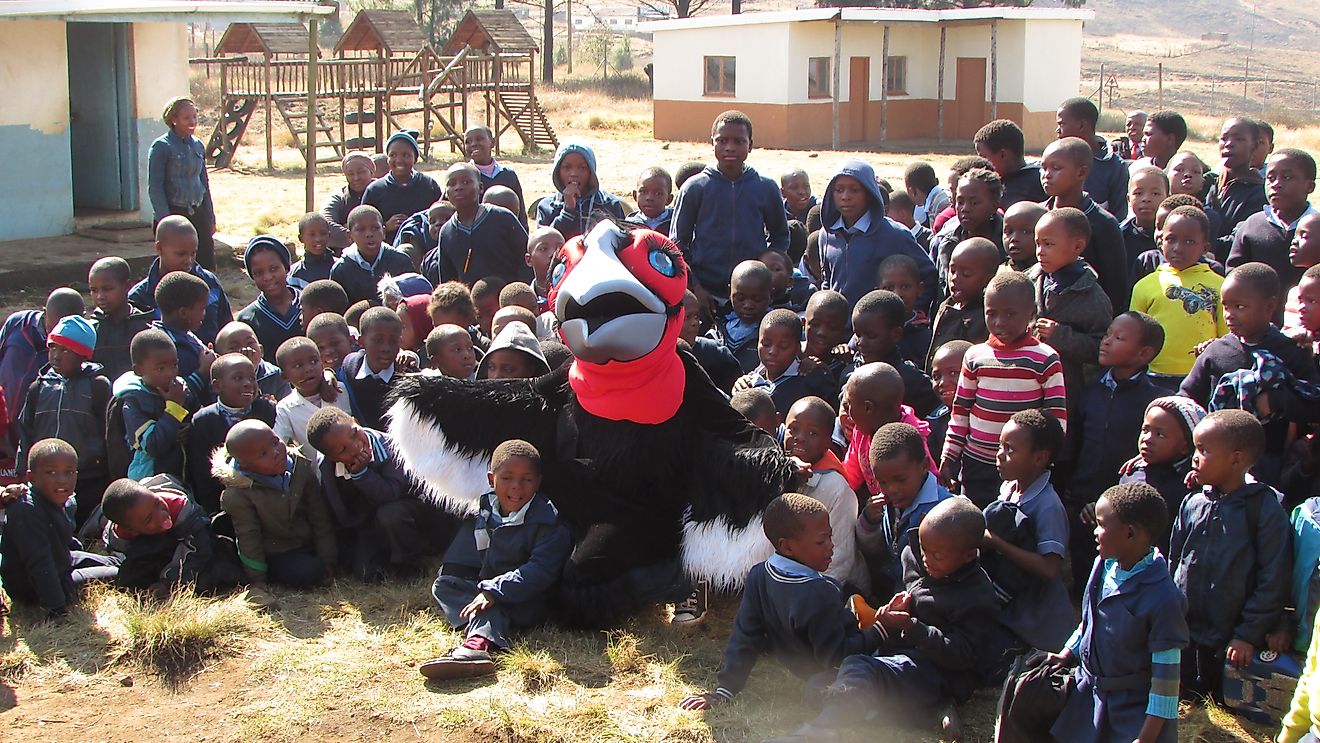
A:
(936, 4)
(677, 8)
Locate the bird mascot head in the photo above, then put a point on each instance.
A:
(618, 297)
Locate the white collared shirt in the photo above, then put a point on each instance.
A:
(384, 375)
(862, 224)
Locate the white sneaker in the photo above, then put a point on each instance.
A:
(693, 608)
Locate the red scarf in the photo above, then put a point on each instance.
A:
(648, 390)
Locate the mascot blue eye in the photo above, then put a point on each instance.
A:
(663, 262)
(557, 273)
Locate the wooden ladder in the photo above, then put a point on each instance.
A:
(523, 112)
(235, 115)
(294, 110)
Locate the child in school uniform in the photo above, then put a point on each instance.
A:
(1239, 192)
(1267, 235)
(363, 263)
(1064, 169)
(176, 250)
(164, 538)
(480, 240)
(795, 187)
(497, 574)
(1146, 190)
(23, 344)
(1304, 254)
(282, 525)
(1036, 610)
(945, 368)
(779, 349)
(115, 319)
(961, 317)
(790, 289)
(300, 363)
(1107, 177)
(383, 523)
(478, 145)
(749, 301)
(181, 298)
(901, 275)
(238, 337)
(906, 490)
(40, 561)
(1132, 628)
(653, 193)
(317, 259)
(153, 401)
(877, 321)
(275, 315)
(807, 429)
(790, 608)
(933, 635)
(322, 295)
(577, 192)
(234, 381)
(333, 338)
(514, 354)
(1229, 552)
(992, 386)
(924, 189)
(979, 191)
(368, 375)
(449, 350)
(1108, 424)
(68, 401)
(1003, 144)
(825, 329)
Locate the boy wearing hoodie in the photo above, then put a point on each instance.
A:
(152, 400)
(281, 521)
(578, 192)
(856, 236)
(514, 354)
(727, 214)
(68, 401)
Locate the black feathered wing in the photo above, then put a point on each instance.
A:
(446, 429)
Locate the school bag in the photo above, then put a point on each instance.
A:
(1031, 699)
(118, 455)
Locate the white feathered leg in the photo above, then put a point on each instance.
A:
(453, 479)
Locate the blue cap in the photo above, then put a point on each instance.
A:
(75, 334)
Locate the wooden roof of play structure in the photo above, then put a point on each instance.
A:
(491, 31)
(389, 32)
(263, 38)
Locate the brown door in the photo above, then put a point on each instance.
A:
(969, 102)
(859, 94)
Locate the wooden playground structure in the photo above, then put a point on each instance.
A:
(385, 76)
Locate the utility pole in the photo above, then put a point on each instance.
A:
(570, 37)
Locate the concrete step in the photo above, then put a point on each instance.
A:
(117, 233)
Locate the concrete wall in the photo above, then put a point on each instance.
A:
(160, 61)
(762, 65)
(36, 199)
(1055, 69)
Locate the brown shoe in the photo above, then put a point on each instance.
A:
(459, 663)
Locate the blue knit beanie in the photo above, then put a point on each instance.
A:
(266, 242)
(407, 135)
(75, 334)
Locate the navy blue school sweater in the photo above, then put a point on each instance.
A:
(956, 324)
(1136, 240)
(717, 361)
(915, 343)
(1107, 182)
(718, 223)
(366, 396)
(495, 244)
(1264, 237)
(189, 349)
(796, 614)
(1234, 201)
(1236, 580)
(359, 281)
(36, 564)
(918, 393)
(1022, 184)
(210, 425)
(271, 327)
(1108, 420)
(114, 336)
(354, 498)
(390, 197)
(744, 352)
(1105, 253)
(509, 179)
(311, 268)
(218, 312)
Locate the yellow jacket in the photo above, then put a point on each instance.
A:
(1187, 304)
(1304, 714)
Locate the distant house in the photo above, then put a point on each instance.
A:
(621, 19)
(778, 67)
(84, 85)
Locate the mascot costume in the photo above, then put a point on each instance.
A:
(658, 479)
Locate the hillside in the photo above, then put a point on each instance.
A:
(1273, 23)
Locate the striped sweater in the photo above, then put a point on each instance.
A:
(997, 381)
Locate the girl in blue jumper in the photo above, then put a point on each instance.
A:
(1127, 649)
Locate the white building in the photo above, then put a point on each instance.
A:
(84, 85)
(901, 74)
